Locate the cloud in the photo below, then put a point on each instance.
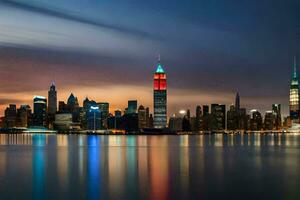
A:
(67, 15)
(4, 101)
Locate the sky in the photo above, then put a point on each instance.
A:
(107, 50)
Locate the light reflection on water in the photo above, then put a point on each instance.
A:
(149, 167)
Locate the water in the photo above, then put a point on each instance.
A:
(150, 167)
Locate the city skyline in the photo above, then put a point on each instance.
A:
(211, 47)
(141, 101)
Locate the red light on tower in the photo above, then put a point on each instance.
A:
(160, 79)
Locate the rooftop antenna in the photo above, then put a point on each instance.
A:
(295, 67)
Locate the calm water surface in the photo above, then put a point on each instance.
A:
(150, 167)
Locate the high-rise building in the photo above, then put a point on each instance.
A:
(206, 118)
(256, 120)
(24, 116)
(73, 107)
(199, 119)
(269, 122)
(294, 95)
(232, 118)
(72, 102)
(160, 97)
(142, 116)
(94, 118)
(52, 100)
(276, 108)
(205, 110)
(104, 109)
(237, 102)
(10, 116)
(175, 123)
(218, 113)
(147, 117)
(130, 123)
(118, 113)
(39, 111)
(132, 107)
(151, 121)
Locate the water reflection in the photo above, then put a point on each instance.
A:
(149, 167)
(38, 166)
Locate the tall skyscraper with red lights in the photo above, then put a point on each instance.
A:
(160, 97)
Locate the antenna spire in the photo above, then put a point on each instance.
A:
(295, 67)
(159, 58)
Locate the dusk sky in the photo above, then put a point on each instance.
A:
(107, 50)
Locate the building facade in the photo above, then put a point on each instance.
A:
(160, 98)
(294, 95)
(52, 100)
(39, 111)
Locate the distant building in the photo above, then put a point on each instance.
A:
(237, 102)
(232, 118)
(160, 97)
(94, 118)
(147, 117)
(269, 121)
(114, 122)
(130, 123)
(10, 115)
(175, 123)
(199, 119)
(39, 111)
(104, 109)
(24, 116)
(276, 108)
(287, 123)
(2, 122)
(52, 100)
(118, 113)
(294, 95)
(186, 123)
(142, 117)
(206, 118)
(218, 115)
(88, 103)
(151, 121)
(73, 107)
(132, 107)
(256, 120)
(62, 107)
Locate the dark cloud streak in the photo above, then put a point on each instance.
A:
(62, 14)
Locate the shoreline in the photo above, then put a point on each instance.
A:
(110, 132)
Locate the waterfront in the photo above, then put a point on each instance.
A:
(242, 166)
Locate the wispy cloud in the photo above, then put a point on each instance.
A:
(68, 15)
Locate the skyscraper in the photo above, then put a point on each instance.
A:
(294, 95)
(104, 109)
(160, 97)
(73, 107)
(218, 114)
(237, 102)
(11, 116)
(132, 107)
(256, 120)
(24, 114)
(94, 118)
(142, 117)
(199, 119)
(39, 111)
(52, 100)
(276, 108)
